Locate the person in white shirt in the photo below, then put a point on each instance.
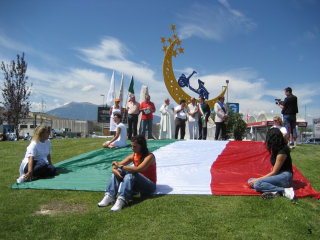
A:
(277, 121)
(120, 139)
(133, 114)
(221, 110)
(116, 108)
(37, 160)
(193, 115)
(166, 129)
(180, 121)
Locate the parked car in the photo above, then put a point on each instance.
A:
(314, 141)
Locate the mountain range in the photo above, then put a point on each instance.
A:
(81, 111)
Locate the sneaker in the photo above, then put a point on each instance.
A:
(107, 200)
(269, 195)
(118, 205)
(21, 179)
(289, 193)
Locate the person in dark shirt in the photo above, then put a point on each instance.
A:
(278, 181)
(289, 110)
(204, 111)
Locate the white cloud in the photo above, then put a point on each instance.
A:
(111, 54)
(74, 84)
(8, 43)
(87, 88)
(213, 21)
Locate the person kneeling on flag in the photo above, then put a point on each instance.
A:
(141, 177)
(278, 181)
(120, 139)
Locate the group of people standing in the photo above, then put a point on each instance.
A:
(173, 119)
(119, 130)
(196, 115)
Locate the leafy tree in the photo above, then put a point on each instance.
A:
(1, 115)
(236, 126)
(97, 128)
(15, 92)
(239, 127)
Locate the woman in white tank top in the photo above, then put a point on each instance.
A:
(114, 109)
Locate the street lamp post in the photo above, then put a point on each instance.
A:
(227, 81)
(102, 95)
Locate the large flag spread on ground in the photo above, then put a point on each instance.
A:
(112, 92)
(121, 92)
(183, 167)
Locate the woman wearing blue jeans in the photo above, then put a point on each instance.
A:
(278, 181)
(139, 177)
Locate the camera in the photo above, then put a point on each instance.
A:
(278, 101)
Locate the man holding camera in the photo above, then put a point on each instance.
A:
(289, 110)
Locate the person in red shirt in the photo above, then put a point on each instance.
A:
(141, 177)
(147, 108)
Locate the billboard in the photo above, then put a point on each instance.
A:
(103, 115)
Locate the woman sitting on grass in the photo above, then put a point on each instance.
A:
(120, 139)
(141, 177)
(278, 181)
(37, 160)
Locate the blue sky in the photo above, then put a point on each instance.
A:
(72, 47)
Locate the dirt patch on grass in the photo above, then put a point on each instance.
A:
(60, 207)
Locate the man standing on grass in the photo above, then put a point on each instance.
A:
(221, 110)
(181, 118)
(204, 111)
(147, 108)
(133, 113)
(289, 110)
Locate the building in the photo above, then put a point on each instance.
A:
(257, 127)
(78, 127)
(316, 127)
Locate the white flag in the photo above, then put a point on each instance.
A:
(121, 93)
(112, 92)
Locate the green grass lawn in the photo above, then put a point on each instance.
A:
(75, 215)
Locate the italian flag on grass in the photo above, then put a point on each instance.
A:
(218, 168)
(183, 167)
